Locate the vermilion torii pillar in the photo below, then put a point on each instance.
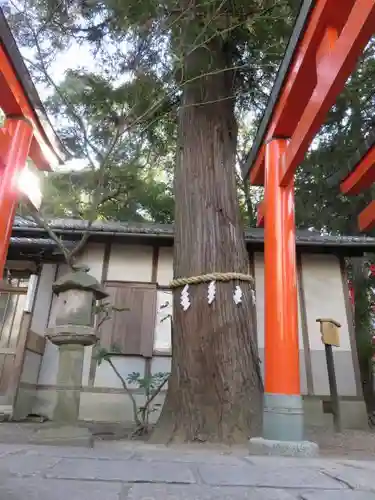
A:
(324, 47)
(14, 151)
(26, 133)
(281, 321)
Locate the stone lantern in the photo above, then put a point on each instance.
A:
(74, 329)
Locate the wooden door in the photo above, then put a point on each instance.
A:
(131, 326)
(12, 303)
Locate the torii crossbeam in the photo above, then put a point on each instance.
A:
(26, 132)
(328, 38)
(360, 177)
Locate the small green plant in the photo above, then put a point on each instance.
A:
(150, 385)
(103, 311)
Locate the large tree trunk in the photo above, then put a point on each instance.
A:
(215, 389)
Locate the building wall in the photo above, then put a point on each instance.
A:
(324, 295)
(130, 263)
(43, 298)
(26, 395)
(102, 395)
(323, 298)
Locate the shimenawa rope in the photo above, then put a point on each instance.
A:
(206, 278)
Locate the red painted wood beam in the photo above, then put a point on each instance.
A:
(13, 101)
(20, 133)
(362, 177)
(302, 76)
(328, 42)
(282, 375)
(366, 219)
(260, 214)
(333, 71)
(4, 145)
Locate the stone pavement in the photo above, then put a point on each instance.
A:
(115, 471)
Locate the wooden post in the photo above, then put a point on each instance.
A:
(329, 329)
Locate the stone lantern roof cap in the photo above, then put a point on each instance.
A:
(79, 280)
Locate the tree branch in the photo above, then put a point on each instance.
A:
(128, 392)
(155, 393)
(42, 223)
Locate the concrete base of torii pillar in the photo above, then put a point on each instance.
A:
(283, 429)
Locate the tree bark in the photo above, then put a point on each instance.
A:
(215, 389)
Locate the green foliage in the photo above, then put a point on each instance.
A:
(147, 384)
(319, 202)
(135, 89)
(150, 385)
(101, 355)
(137, 84)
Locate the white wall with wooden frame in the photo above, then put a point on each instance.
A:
(137, 277)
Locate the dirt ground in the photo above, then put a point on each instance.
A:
(351, 444)
(354, 444)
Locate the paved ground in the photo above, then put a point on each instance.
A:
(114, 471)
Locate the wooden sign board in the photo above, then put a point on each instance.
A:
(330, 330)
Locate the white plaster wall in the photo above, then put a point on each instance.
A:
(161, 364)
(30, 369)
(50, 365)
(93, 257)
(106, 377)
(43, 299)
(324, 296)
(114, 407)
(259, 294)
(162, 333)
(165, 266)
(130, 263)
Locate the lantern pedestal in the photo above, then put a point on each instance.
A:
(74, 329)
(63, 435)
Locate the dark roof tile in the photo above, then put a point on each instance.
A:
(68, 227)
